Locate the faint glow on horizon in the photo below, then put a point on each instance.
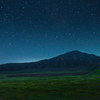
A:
(20, 60)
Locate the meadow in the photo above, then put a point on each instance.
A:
(84, 87)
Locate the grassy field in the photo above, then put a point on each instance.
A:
(50, 88)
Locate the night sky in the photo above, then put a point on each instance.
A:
(32, 30)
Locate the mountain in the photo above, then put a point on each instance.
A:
(74, 60)
(94, 67)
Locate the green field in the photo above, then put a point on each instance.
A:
(50, 88)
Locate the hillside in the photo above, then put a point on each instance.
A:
(94, 67)
(74, 60)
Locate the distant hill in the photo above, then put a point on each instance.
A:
(74, 60)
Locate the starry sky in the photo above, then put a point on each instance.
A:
(32, 30)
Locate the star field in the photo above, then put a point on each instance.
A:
(32, 30)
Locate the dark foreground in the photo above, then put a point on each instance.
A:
(50, 88)
(49, 74)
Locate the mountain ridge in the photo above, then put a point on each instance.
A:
(69, 60)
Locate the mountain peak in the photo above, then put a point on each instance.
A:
(75, 51)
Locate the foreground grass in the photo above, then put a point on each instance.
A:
(52, 88)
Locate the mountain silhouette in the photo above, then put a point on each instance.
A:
(93, 67)
(71, 60)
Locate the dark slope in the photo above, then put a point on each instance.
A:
(93, 67)
(73, 59)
